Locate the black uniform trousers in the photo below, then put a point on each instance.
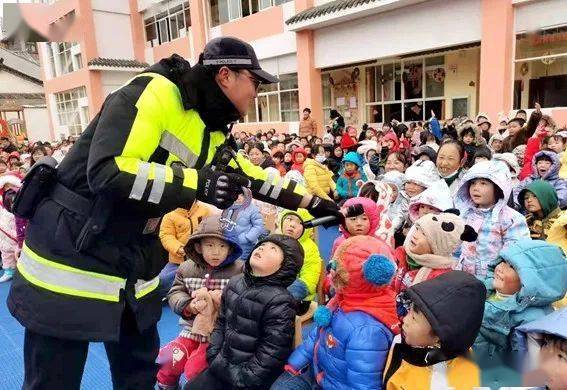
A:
(52, 363)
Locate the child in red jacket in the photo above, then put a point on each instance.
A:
(428, 248)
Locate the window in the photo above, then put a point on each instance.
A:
(276, 102)
(406, 90)
(70, 112)
(460, 107)
(168, 25)
(541, 69)
(223, 11)
(64, 57)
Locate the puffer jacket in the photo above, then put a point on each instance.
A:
(254, 332)
(348, 185)
(249, 225)
(195, 272)
(319, 179)
(436, 195)
(552, 177)
(542, 269)
(305, 286)
(347, 350)
(178, 225)
(399, 209)
(497, 227)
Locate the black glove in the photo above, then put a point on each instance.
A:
(220, 189)
(319, 208)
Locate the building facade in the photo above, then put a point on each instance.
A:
(372, 60)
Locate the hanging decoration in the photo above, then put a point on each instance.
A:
(355, 74)
(439, 75)
(524, 69)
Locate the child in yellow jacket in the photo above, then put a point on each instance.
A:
(442, 319)
(175, 230)
(305, 286)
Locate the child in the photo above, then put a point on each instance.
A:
(495, 143)
(399, 207)
(482, 153)
(319, 179)
(348, 347)
(253, 335)
(305, 286)
(247, 222)
(527, 277)
(546, 166)
(419, 176)
(550, 334)
(557, 144)
(482, 200)
(367, 150)
(365, 224)
(443, 318)
(212, 260)
(298, 157)
(468, 135)
(539, 200)
(175, 229)
(9, 244)
(512, 163)
(347, 184)
(428, 249)
(435, 199)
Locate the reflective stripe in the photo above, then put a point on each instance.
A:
(267, 184)
(174, 146)
(141, 181)
(63, 279)
(143, 288)
(158, 184)
(228, 61)
(277, 189)
(67, 280)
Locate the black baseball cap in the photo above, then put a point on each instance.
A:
(236, 54)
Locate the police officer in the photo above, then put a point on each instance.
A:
(89, 267)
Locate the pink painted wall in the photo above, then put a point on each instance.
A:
(560, 116)
(138, 33)
(198, 26)
(309, 77)
(180, 46)
(259, 25)
(495, 90)
(280, 127)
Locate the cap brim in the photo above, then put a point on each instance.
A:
(264, 76)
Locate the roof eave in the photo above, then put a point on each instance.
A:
(345, 15)
(117, 68)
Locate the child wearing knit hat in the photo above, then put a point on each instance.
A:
(347, 348)
(442, 318)
(429, 246)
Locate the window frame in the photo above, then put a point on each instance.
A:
(173, 13)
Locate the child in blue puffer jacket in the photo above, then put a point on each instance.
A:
(247, 222)
(347, 350)
(349, 182)
(527, 277)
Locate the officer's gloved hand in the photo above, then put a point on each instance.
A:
(319, 207)
(219, 189)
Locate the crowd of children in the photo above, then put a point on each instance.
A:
(447, 271)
